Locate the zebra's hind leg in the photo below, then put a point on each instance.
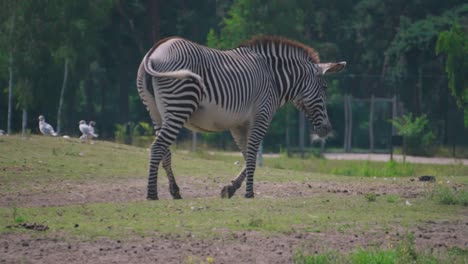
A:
(158, 152)
(173, 188)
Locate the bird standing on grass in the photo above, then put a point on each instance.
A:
(84, 128)
(2, 132)
(92, 125)
(45, 128)
(87, 130)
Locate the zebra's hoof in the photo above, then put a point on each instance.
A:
(175, 191)
(227, 191)
(249, 195)
(176, 196)
(152, 197)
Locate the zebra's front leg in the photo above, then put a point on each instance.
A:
(173, 188)
(229, 190)
(256, 135)
(249, 173)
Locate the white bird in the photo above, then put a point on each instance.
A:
(45, 128)
(2, 132)
(87, 130)
(408, 203)
(92, 124)
(84, 128)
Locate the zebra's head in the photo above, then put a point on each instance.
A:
(312, 100)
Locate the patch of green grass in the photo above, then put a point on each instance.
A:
(370, 197)
(283, 215)
(19, 219)
(450, 196)
(365, 168)
(393, 198)
(404, 252)
(361, 168)
(33, 163)
(40, 160)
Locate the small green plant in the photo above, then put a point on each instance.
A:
(324, 258)
(374, 256)
(392, 198)
(370, 197)
(255, 222)
(17, 218)
(404, 252)
(450, 196)
(418, 139)
(20, 219)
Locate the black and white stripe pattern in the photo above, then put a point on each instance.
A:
(185, 84)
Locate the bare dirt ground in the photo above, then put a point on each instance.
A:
(66, 193)
(228, 247)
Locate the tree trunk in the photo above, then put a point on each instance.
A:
(89, 85)
(371, 125)
(155, 21)
(10, 92)
(10, 69)
(123, 99)
(25, 122)
(62, 92)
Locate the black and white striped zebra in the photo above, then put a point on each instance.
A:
(186, 84)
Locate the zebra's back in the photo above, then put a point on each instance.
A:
(234, 80)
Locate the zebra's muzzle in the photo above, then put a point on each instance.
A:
(323, 131)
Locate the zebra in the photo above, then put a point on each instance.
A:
(183, 83)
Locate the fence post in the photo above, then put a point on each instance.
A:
(288, 140)
(301, 132)
(350, 122)
(371, 126)
(260, 155)
(24, 125)
(345, 107)
(394, 113)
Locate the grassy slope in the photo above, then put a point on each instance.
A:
(37, 161)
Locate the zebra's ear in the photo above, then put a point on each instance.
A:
(330, 67)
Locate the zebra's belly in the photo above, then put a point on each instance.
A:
(211, 118)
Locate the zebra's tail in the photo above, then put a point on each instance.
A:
(179, 74)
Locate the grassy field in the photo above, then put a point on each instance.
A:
(306, 203)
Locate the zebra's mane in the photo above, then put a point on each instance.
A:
(259, 40)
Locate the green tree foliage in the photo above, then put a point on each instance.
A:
(246, 19)
(417, 137)
(420, 36)
(454, 45)
(389, 47)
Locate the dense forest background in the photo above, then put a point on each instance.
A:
(73, 60)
